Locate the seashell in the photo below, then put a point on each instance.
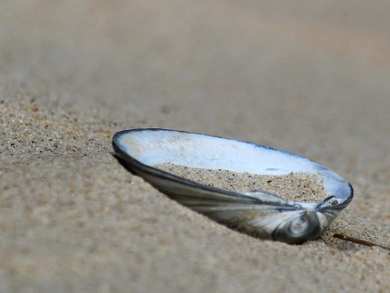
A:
(257, 213)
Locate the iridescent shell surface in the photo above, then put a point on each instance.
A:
(259, 214)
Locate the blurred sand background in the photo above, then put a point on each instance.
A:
(310, 77)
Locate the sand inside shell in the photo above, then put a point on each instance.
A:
(304, 187)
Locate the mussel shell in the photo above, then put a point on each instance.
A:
(260, 214)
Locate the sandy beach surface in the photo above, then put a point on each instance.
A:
(307, 77)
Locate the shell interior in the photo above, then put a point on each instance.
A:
(152, 147)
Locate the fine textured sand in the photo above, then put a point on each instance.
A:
(308, 77)
(300, 187)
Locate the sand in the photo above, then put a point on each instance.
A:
(308, 78)
(300, 187)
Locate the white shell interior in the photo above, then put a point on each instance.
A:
(152, 147)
